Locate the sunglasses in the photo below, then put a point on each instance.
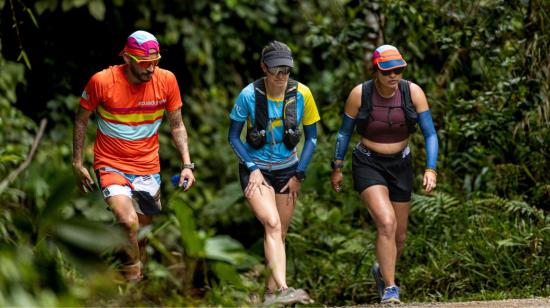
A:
(396, 71)
(285, 70)
(145, 63)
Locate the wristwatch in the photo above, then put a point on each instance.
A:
(188, 166)
(334, 165)
(301, 176)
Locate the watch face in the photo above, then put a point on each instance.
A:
(189, 166)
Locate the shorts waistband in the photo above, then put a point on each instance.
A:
(363, 149)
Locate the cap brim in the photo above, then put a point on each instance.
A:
(279, 62)
(388, 65)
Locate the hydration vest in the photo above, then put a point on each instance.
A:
(255, 135)
(366, 106)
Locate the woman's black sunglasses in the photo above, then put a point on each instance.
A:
(396, 71)
(285, 70)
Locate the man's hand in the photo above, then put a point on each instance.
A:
(83, 179)
(186, 175)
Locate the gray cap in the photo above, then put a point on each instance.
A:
(278, 58)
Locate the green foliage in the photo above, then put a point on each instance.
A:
(14, 126)
(495, 246)
(483, 66)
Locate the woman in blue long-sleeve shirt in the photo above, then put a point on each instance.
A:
(278, 111)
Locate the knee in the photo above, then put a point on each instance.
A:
(273, 226)
(130, 221)
(387, 227)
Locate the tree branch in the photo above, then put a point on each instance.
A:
(14, 174)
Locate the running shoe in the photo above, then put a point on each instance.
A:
(391, 295)
(378, 278)
(288, 296)
(269, 298)
(132, 272)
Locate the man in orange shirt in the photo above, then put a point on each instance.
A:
(130, 101)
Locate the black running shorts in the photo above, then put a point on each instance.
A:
(393, 171)
(275, 178)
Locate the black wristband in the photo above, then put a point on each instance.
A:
(301, 176)
(335, 165)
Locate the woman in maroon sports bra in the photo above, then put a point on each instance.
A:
(385, 112)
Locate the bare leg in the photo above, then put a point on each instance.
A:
(144, 220)
(285, 209)
(265, 208)
(377, 200)
(401, 210)
(125, 214)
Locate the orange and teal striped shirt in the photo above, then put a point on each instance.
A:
(129, 117)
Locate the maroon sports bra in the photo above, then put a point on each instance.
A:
(386, 123)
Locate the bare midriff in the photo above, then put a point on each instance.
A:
(385, 148)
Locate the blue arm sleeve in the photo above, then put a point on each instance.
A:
(344, 135)
(310, 144)
(234, 138)
(430, 138)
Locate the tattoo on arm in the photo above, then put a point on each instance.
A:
(179, 134)
(79, 133)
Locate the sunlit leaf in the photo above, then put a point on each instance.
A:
(191, 240)
(224, 248)
(97, 9)
(85, 234)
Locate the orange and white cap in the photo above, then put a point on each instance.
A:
(387, 57)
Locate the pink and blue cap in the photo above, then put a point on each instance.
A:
(387, 57)
(141, 43)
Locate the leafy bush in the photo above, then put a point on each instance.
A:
(483, 66)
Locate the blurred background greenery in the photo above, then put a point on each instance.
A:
(485, 233)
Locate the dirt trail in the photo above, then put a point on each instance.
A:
(508, 303)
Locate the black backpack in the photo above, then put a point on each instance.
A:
(255, 135)
(366, 106)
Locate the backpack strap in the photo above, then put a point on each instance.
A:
(366, 96)
(366, 107)
(406, 103)
(404, 87)
(290, 109)
(260, 110)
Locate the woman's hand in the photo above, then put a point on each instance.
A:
(430, 180)
(336, 179)
(255, 180)
(293, 186)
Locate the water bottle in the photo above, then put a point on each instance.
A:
(176, 181)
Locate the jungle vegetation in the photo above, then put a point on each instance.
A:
(484, 233)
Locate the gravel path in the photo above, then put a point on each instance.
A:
(508, 303)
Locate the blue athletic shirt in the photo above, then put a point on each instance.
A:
(274, 155)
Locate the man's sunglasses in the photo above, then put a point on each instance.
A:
(145, 63)
(396, 71)
(285, 70)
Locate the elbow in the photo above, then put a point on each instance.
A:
(314, 143)
(311, 142)
(233, 137)
(231, 140)
(432, 138)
